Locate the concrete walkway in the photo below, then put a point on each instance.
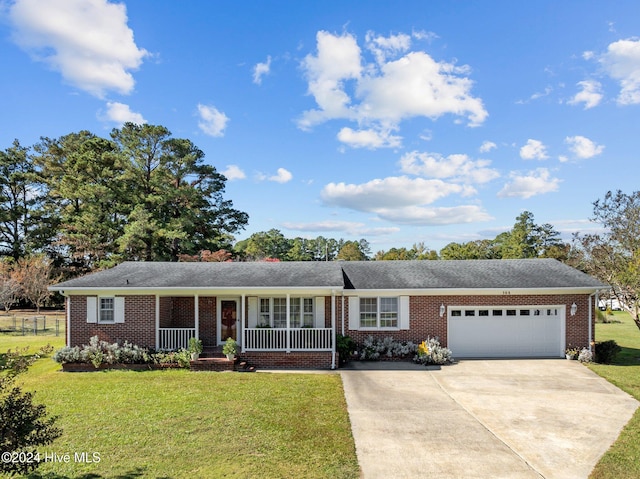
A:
(482, 419)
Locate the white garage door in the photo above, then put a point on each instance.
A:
(499, 332)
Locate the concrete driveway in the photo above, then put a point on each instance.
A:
(482, 419)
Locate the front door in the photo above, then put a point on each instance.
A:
(228, 317)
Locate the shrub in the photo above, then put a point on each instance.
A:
(585, 356)
(101, 352)
(373, 349)
(430, 352)
(23, 424)
(345, 346)
(606, 351)
(180, 358)
(68, 354)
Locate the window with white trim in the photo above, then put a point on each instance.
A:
(301, 312)
(106, 310)
(273, 313)
(379, 313)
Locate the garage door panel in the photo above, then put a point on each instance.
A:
(537, 334)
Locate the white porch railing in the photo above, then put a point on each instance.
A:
(300, 339)
(175, 338)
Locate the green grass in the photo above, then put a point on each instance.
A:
(622, 460)
(175, 423)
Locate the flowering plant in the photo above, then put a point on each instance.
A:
(430, 352)
(585, 356)
(572, 353)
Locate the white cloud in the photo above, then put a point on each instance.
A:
(379, 95)
(87, 41)
(533, 150)
(120, 113)
(234, 172)
(391, 192)
(590, 94)
(349, 227)
(383, 47)
(430, 216)
(404, 200)
(622, 63)
(282, 176)
(368, 138)
(487, 146)
(338, 60)
(534, 183)
(456, 167)
(260, 70)
(212, 121)
(417, 85)
(583, 147)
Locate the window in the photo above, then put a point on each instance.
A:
(368, 312)
(483, 312)
(497, 312)
(273, 312)
(525, 312)
(456, 312)
(107, 309)
(511, 312)
(301, 312)
(469, 312)
(264, 318)
(279, 312)
(388, 312)
(378, 312)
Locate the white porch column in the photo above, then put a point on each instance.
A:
(241, 325)
(288, 323)
(196, 315)
(157, 322)
(333, 329)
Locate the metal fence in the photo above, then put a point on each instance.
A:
(32, 325)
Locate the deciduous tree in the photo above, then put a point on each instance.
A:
(613, 256)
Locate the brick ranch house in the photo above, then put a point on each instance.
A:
(287, 314)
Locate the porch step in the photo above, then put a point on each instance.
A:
(221, 364)
(212, 364)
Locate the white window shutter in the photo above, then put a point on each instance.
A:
(403, 312)
(318, 311)
(118, 306)
(252, 311)
(354, 312)
(92, 309)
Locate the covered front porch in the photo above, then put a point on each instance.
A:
(267, 322)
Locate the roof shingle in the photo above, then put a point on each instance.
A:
(363, 275)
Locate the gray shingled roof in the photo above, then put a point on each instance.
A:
(466, 274)
(471, 274)
(211, 275)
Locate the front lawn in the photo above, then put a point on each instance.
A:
(177, 423)
(622, 460)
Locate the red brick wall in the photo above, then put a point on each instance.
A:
(183, 314)
(207, 320)
(166, 311)
(139, 325)
(425, 320)
(282, 360)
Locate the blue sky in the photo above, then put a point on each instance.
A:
(398, 122)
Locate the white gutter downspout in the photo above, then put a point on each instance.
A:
(333, 330)
(591, 315)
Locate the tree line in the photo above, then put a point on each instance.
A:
(525, 240)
